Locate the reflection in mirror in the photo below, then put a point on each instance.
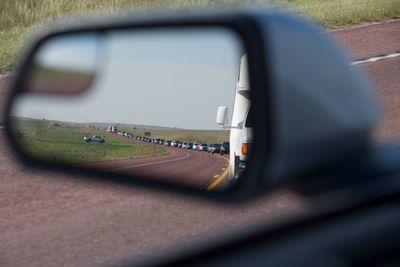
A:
(171, 105)
(64, 65)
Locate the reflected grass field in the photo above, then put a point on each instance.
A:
(63, 143)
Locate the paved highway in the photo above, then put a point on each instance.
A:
(48, 219)
(184, 166)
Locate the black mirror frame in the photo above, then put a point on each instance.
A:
(249, 26)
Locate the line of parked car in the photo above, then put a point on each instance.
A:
(210, 148)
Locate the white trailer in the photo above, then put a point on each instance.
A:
(241, 125)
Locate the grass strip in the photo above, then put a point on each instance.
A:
(63, 143)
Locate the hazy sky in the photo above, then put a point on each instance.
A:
(78, 53)
(174, 78)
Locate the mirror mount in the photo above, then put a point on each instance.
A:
(222, 119)
(231, 127)
(239, 126)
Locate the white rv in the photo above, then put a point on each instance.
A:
(241, 125)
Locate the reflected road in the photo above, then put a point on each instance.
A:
(188, 167)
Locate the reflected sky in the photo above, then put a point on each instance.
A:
(73, 52)
(172, 78)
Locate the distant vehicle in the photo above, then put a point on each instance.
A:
(194, 146)
(168, 142)
(224, 148)
(112, 129)
(209, 147)
(174, 144)
(202, 147)
(128, 134)
(216, 148)
(189, 146)
(94, 138)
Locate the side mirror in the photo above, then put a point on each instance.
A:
(296, 102)
(222, 116)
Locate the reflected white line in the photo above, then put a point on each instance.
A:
(150, 163)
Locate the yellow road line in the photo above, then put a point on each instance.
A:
(216, 176)
(219, 180)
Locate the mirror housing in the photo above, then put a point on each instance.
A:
(311, 107)
(222, 116)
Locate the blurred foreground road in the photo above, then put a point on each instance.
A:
(48, 219)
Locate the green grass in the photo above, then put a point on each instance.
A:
(64, 143)
(18, 16)
(339, 13)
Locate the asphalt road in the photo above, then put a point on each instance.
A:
(183, 166)
(48, 219)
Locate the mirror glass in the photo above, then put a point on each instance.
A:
(168, 104)
(64, 65)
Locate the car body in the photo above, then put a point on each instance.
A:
(215, 148)
(128, 135)
(209, 147)
(94, 138)
(352, 207)
(195, 146)
(202, 147)
(224, 148)
(174, 143)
